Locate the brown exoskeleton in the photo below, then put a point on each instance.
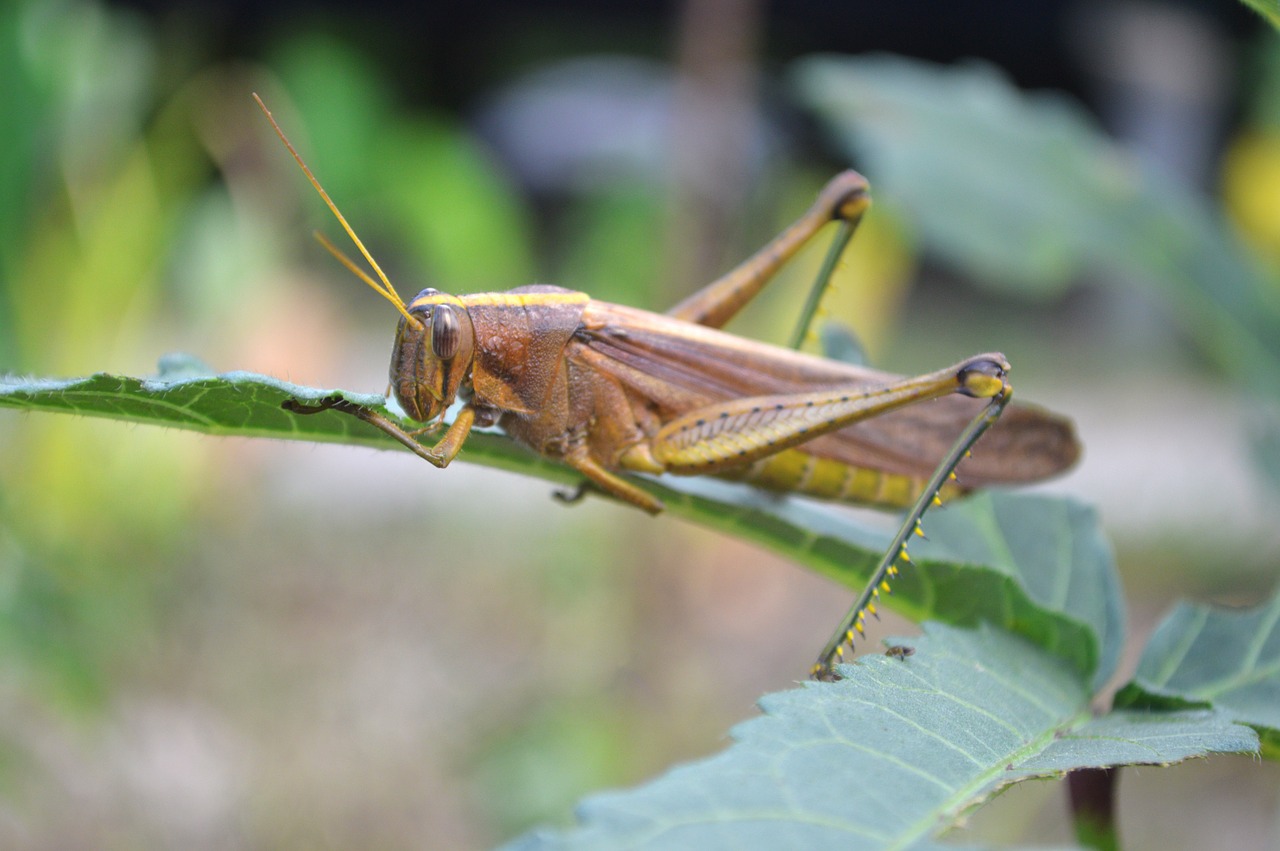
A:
(609, 389)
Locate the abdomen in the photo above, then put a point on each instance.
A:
(797, 471)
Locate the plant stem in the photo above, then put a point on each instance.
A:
(1093, 807)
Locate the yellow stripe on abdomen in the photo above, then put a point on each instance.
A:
(794, 471)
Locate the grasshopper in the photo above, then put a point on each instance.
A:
(608, 390)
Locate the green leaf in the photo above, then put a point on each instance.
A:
(969, 712)
(1062, 595)
(1055, 550)
(244, 404)
(1026, 193)
(1269, 9)
(1223, 658)
(892, 756)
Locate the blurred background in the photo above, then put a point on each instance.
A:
(223, 643)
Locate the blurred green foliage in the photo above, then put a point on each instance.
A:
(148, 209)
(422, 181)
(1045, 197)
(1268, 9)
(149, 213)
(81, 243)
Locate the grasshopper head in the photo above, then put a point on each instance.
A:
(432, 354)
(435, 340)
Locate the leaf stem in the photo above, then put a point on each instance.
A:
(1093, 802)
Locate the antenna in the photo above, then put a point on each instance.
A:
(384, 288)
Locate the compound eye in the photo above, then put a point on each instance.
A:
(446, 332)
